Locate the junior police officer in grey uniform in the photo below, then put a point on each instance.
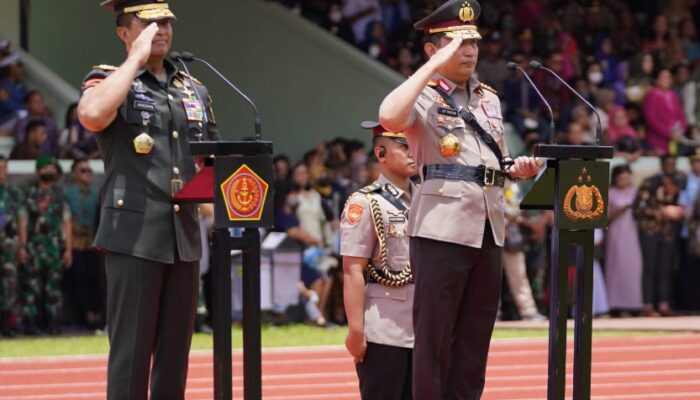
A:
(374, 243)
(454, 128)
(144, 113)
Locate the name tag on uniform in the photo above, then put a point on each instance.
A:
(491, 110)
(144, 105)
(193, 109)
(447, 111)
(397, 219)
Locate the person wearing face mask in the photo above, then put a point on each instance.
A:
(456, 223)
(144, 114)
(337, 24)
(49, 244)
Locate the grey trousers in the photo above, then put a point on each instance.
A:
(150, 318)
(454, 310)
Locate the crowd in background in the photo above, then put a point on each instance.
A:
(638, 63)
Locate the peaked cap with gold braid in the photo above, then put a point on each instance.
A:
(379, 131)
(453, 18)
(145, 10)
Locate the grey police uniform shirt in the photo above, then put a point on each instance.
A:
(466, 205)
(138, 216)
(388, 310)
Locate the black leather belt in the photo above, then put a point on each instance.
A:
(482, 175)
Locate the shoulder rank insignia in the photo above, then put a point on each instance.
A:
(105, 67)
(370, 188)
(489, 88)
(184, 74)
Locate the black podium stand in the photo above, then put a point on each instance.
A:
(575, 186)
(238, 177)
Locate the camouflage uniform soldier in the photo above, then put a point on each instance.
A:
(48, 223)
(13, 237)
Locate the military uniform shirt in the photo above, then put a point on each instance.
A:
(451, 210)
(138, 217)
(388, 310)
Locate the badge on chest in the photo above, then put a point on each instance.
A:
(491, 110)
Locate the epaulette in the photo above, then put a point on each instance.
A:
(186, 75)
(489, 88)
(370, 188)
(105, 67)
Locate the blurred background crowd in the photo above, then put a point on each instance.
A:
(637, 62)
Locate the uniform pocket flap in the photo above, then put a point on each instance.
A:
(376, 291)
(126, 200)
(441, 187)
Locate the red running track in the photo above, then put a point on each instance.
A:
(625, 368)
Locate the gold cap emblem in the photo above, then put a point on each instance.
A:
(466, 13)
(143, 144)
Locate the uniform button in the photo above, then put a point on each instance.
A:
(440, 190)
(120, 203)
(176, 208)
(170, 97)
(176, 171)
(483, 159)
(175, 135)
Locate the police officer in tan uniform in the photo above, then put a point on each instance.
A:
(374, 243)
(454, 128)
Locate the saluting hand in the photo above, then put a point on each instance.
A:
(141, 47)
(443, 55)
(524, 167)
(356, 344)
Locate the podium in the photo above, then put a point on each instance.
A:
(575, 186)
(237, 176)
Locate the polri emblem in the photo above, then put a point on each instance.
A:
(584, 202)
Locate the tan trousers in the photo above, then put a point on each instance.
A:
(514, 268)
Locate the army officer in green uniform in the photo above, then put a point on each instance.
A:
(374, 241)
(454, 127)
(144, 112)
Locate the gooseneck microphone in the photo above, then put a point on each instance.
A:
(177, 56)
(187, 56)
(513, 65)
(538, 65)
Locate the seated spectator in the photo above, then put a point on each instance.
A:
(337, 24)
(641, 77)
(524, 110)
(622, 135)
(75, 141)
(664, 115)
(36, 110)
(360, 13)
(12, 92)
(575, 135)
(376, 44)
(33, 145)
(492, 67)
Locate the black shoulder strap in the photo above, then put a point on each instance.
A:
(391, 198)
(470, 119)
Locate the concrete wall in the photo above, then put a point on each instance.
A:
(9, 21)
(307, 84)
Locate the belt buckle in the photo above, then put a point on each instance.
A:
(489, 176)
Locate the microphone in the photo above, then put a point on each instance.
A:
(187, 56)
(538, 65)
(177, 56)
(513, 65)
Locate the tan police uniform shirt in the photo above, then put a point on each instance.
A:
(388, 310)
(451, 210)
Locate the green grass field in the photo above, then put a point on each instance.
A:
(272, 336)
